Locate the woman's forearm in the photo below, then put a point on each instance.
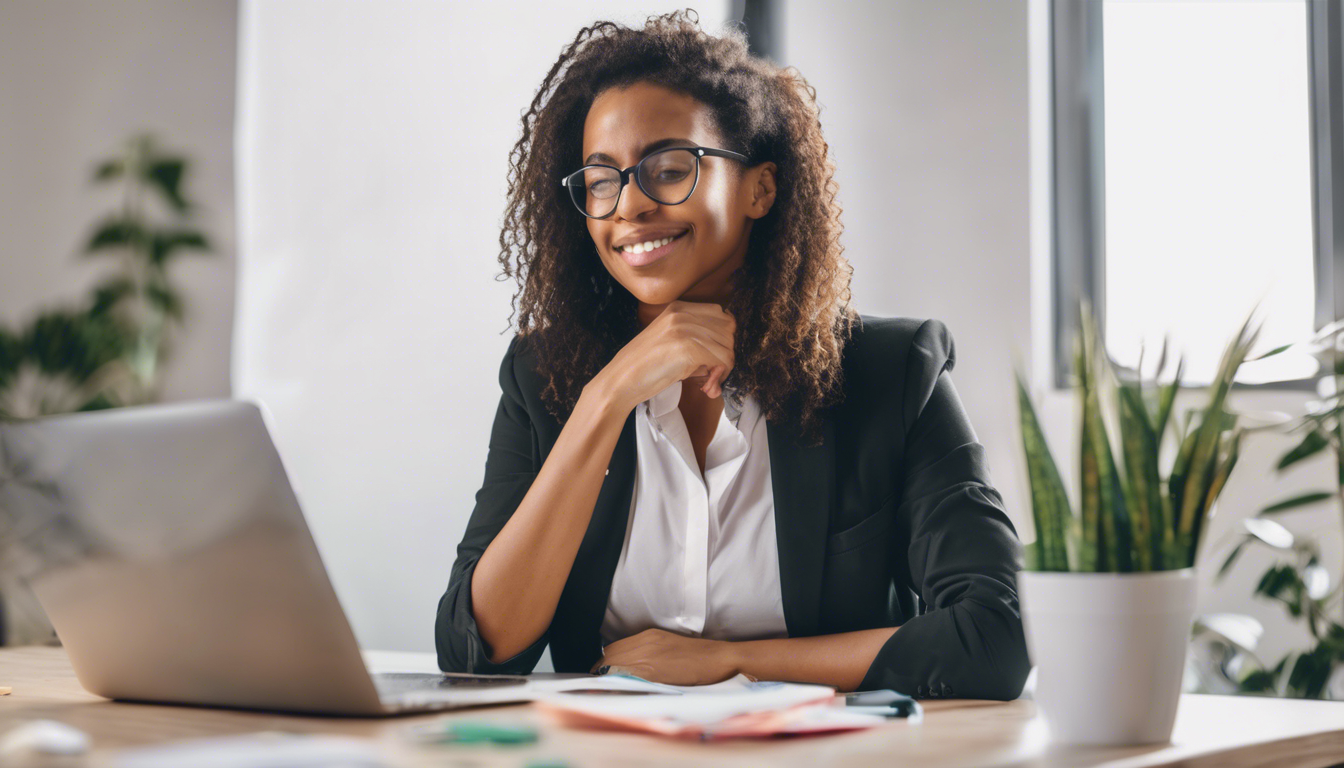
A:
(840, 661)
(518, 579)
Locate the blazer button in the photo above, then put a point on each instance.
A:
(921, 690)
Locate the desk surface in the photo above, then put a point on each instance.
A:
(1221, 731)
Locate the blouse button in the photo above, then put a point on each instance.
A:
(608, 472)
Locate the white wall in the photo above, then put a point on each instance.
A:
(373, 152)
(77, 77)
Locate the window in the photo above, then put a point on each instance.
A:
(1193, 177)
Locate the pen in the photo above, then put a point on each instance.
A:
(883, 702)
(886, 711)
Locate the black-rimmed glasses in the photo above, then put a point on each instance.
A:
(667, 176)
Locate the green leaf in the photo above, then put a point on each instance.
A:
(1180, 468)
(116, 233)
(1221, 469)
(1311, 672)
(1231, 558)
(163, 245)
(165, 300)
(1140, 451)
(110, 293)
(1258, 681)
(111, 169)
(1204, 458)
(1093, 551)
(11, 357)
(1102, 479)
(166, 176)
(1271, 352)
(100, 402)
(74, 344)
(1050, 504)
(1314, 442)
(1282, 583)
(1271, 581)
(1297, 501)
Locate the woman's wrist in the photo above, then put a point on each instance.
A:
(605, 398)
(730, 656)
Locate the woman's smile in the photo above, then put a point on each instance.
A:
(645, 258)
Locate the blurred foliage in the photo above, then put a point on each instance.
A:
(1297, 579)
(106, 352)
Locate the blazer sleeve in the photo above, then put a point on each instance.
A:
(509, 472)
(964, 553)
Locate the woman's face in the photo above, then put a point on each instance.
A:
(714, 223)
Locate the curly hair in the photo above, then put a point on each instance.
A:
(791, 294)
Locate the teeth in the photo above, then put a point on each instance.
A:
(647, 246)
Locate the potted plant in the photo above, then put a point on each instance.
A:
(1108, 593)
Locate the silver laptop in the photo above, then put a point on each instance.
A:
(168, 549)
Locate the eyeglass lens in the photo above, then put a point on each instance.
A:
(667, 177)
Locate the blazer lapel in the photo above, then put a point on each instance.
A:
(802, 478)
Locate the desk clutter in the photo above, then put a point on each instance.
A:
(736, 708)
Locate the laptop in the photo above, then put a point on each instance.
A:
(167, 547)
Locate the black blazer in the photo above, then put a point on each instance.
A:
(891, 521)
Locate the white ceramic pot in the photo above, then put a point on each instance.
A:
(1109, 650)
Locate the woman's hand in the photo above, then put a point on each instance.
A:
(666, 657)
(689, 340)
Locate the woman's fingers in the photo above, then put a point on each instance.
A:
(711, 384)
(717, 369)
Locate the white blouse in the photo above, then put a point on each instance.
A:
(700, 556)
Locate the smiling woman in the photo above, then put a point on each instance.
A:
(816, 508)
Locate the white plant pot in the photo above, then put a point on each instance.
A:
(1109, 650)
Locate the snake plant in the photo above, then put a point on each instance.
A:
(1129, 517)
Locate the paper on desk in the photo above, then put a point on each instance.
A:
(735, 707)
(533, 689)
(606, 683)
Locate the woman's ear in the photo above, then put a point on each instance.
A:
(761, 181)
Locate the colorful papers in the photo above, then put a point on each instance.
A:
(739, 707)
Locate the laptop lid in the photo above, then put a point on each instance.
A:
(167, 547)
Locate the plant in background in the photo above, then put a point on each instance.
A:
(1297, 579)
(107, 352)
(1130, 518)
(103, 353)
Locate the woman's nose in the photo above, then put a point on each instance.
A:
(633, 201)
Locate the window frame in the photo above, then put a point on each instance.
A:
(1078, 174)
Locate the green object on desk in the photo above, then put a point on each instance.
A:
(477, 732)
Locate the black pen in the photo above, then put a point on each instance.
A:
(884, 702)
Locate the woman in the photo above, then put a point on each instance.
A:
(814, 507)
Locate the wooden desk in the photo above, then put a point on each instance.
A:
(1221, 731)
